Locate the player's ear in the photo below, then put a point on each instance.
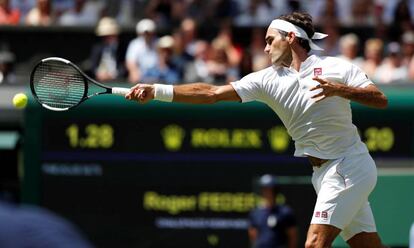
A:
(291, 37)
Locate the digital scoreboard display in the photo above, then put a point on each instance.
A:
(170, 175)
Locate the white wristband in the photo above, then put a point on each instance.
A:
(163, 92)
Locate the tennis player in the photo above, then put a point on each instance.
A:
(311, 95)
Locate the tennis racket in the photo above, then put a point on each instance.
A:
(59, 85)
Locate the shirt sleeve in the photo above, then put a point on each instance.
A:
(249, 88)
(355, 77)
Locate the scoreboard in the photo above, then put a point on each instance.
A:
(173, 175)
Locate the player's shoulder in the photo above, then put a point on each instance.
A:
(261, 74)
(334, 60)
(265, 71)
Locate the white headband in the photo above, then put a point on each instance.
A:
(299, 32)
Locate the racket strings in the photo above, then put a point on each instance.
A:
(58, 85)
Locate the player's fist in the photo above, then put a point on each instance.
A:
(141, 93)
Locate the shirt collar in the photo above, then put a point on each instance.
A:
(309, 61)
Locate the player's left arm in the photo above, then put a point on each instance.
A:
(369, 95)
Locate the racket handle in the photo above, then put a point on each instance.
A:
(120, 91)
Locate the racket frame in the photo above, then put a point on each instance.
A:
(87, 80)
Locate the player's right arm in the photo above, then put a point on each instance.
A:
(195, 93)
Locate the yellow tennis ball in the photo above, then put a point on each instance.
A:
(20, 100)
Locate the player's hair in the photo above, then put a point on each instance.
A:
(304, 21)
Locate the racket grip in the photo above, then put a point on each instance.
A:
(120, 91)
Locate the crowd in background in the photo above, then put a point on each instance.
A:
(184, 56)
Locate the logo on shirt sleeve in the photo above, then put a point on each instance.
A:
(317, 71)
(321, 214)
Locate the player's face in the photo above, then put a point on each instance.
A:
(278, 48)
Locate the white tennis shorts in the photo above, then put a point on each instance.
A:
(343, 186)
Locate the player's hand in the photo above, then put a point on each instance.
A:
(329, 89)
(141, 93)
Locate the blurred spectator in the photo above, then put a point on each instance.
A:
(83, 13)
(363, 13)
(7, 74)
(407, 46)
(107, 57)
(373, 56)
(408, 52)
(219, 66)
(41, 15)
(392, 7)
(60, 6)
(402, 18)
(380, 26)
(349, 45)
(167, 13)
(324, 11)
(330, 13)
(226, 39)
(141, 53)
(392, 68)
(411, 69)
(24, 6)
(196, 71)
(260, 59)
(196, 10)
(246, 63)
(36, 228)
(331, 43)
(8, 15)
(259, 13)
(272, 225)
(167, 70)
(188, 30)
(295, 5)
(160, 11)
(219, 11)
(345, 13)
(125, 14)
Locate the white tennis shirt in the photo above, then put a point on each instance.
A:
(322, 129)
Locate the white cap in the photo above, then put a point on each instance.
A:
(107, 26)
(408, 37)
(166, 41)
(145, 25)
(267, 181)
(393, 48)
